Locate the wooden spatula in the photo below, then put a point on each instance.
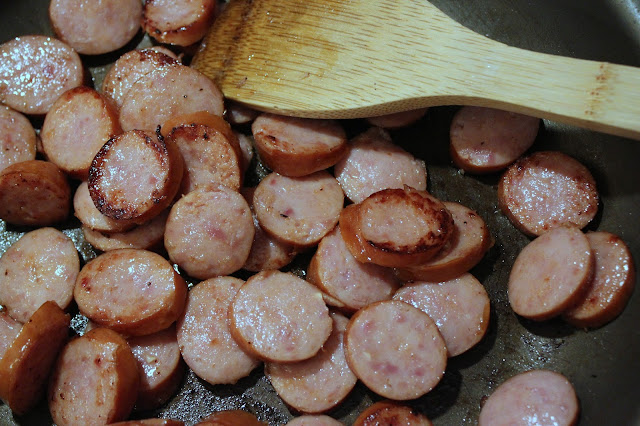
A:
(357, 58)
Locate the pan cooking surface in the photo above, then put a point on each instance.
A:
(601, 364)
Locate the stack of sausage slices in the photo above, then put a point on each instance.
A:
(151, 167)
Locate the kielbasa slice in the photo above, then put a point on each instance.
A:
(460, 308)
(27, 363)
(613, 282)
(398, 119)
(354, 284)
(34, 193)
(209, 232)
(90, 217)
(239, 114)
(231, 418)
(551, 273)
(204, 337)
(486, 140)
(78, 124)
(320, 383)
(395, 349)
(294, 146)
(374, 163)
(17, 138)
(464, 249)
(135, 175)
(95, 380)
(275, 327)
(41, 266)
(543, 395)
(135, 292)
(9, 329)
(314, 420)
(298, 210)
(166, 92)
(391, 413)
(35, 70)
(181, 23)
(160, 366)
(547, 189)
(150, 422)
(95, 27)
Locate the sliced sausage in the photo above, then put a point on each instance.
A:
(129, 68)
(90, 217)
(231, 418)
(135, 292)
(147, 236)
(294, 146)
(9, 329)
(80, 121)
(613, 282)
(533, 397)
(391, 413)
(135, 175)
(27, 363)
(34, 193)
(204, 337)
(95, 380)
(150, 422)
(178, 22)
(398, 119)
(41, 266)
(314, 420)
(460, 308)
(160, 366)
(239, 114)
(320, 383)
(374, 163)
(94, 28)
(209, 232)
(547, 189)
(35, 70)
(354, 284)
(279, 317)
(165, 92)
(395, 349)
(17, 138)
(486, 140)
(396, 227)
(298, 210)
(246, 146)
(551, 273)
(464, 249)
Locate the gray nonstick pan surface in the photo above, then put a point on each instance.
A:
(602, 364)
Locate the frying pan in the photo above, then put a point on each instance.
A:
(602, 364)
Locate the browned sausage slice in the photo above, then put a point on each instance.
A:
(17, 138)
(9, 329)
(90, 217)
(294, 146)
(612, 285)
(374, 163)
(314, 420)
(75, 128)
(398, 119)
(178, 22)
(27, 363)
(231, 418)
(129, 68)
(150, 422)
(547, 189)
(396, 227)
(204, 337)
(166, 92)
(35, 70)
(34, 193)
(95, 380)
(551, 273)
(535, 397)
(135, 175)
(160, 366)
(239, 114)
(136, 292)
(209, 232)
(395, 349)
(391, 413)
(485, 140)
(460, 307)
(320, 383)
(354, 284)
(95, 27)
(463, 250)
(41, 266)
(298, 210)
(275, 327)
